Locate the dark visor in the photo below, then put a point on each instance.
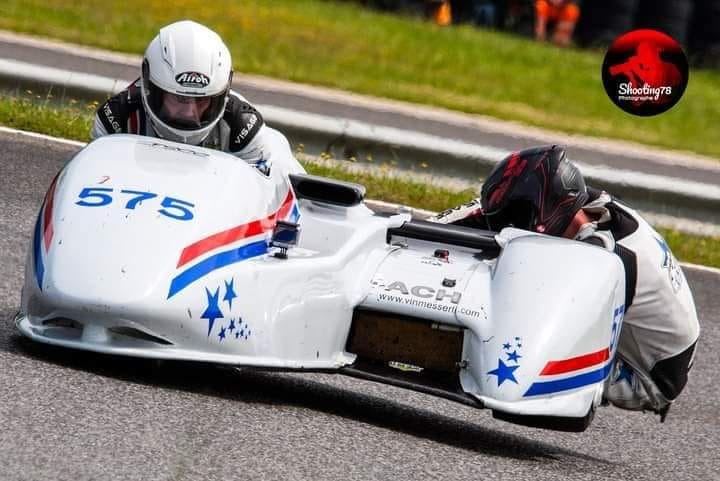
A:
(518, 213)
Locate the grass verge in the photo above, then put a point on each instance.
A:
(40, 113)
(341, 44)
(73, 121)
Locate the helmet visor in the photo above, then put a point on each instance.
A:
(518, 213)
(184, 112)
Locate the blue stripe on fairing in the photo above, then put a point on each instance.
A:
(548, 387)
(295, 214)
(215, 262)
(37, 251)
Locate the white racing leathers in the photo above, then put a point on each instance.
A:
(241, 131)
(660, 327)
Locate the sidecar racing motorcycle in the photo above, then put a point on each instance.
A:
(149, 248)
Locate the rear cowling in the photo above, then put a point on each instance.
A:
(540, 322)
(547, 345)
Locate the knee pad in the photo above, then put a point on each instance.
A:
(670, 375)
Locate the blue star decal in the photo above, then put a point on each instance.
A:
(229, 292)
(222, 334)
(513, 356)
(504, 372)
(231, 327)
(666, 250)
(506, 346)
(212, 311)
(625, 373)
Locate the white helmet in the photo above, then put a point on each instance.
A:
(186, 76)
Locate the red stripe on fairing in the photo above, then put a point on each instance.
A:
(236, 233)
(576, 363)
(133, 123)
(47, 215)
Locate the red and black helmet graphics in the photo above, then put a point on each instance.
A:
(536, 189)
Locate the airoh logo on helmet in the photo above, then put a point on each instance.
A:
(192, 79)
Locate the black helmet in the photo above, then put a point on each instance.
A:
(536, 189)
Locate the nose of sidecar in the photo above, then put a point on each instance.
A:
(131, 224)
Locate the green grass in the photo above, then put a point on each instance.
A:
(73, 121)
(397, 188)
(40, 113)
(698, 250)
(343, 45)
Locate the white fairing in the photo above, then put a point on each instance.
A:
(131, 276)
(541, 321)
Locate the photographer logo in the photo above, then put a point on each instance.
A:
(645, 72)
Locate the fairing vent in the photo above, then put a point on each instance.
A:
(62, 322)
(125, 331)
(408, 352)
(138, 334)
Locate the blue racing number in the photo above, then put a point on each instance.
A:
(180, 206)
(139, 197)
(100, 196)
(95, 193)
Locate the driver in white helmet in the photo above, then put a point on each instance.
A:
(184, 95)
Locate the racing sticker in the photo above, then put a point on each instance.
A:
(645, 72)
(618, 314)
(192, 79)
(579, 371)
(231, 327)
(441, 299)
(170, 207)
(572, 373)
(669, 262)
(230, 246)
(508, 362)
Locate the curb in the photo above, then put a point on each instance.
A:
(346, 138)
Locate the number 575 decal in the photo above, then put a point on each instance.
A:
(101, 196)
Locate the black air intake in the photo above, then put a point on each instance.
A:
(327, 191)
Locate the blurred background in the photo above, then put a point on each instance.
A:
(535, 62)
(587, 23)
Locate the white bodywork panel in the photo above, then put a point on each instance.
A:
(173, 263)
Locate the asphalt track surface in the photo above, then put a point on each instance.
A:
(80, 416)
(384, 115)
